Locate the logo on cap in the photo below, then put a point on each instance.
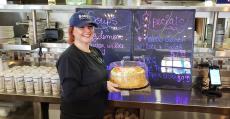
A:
(83, 16)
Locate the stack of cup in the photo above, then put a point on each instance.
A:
(37, 80)
(29, 83)
(55, 84)
(19, 83)
(2, 82)
(9, 82)
(46, 81)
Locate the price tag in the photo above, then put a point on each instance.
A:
(125, 93)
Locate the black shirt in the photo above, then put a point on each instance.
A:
(83, 80)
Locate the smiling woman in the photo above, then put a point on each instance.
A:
(83, 73)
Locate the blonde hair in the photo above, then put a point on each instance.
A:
(71, 36)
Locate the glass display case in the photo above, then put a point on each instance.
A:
(129, 75)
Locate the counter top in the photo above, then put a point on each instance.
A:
(32, 98)
(174, 100)
(170, 100)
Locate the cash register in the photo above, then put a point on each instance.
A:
(214, 82)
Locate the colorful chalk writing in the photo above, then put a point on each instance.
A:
(222, 1)
(113, 34)
(165, 37)
(164, 26)
(162, 38)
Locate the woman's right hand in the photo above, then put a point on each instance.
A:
(112, 87)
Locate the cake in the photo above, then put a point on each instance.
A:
(129, 77)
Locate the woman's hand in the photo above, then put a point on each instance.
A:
(111, 87)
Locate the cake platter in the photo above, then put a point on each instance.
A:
(130, 89)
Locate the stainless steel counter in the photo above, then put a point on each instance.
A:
(173, 100)
(164, 100)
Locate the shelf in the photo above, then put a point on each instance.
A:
(199, 7)
(13, 44)
(202, 50)
(55, 45)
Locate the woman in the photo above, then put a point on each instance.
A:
(83, 73)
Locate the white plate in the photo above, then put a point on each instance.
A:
(6, 27)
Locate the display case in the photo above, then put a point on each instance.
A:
(129, 75)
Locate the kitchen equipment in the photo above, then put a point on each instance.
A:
(41, 25)
(53, 34)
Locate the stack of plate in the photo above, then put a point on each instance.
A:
(6, 32)
(219, 38)
(40, 29)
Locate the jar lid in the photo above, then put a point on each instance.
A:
(7, 75)
(55, 77)
(1, 74)
(35, 76)
(18, 75)
(28, 75)
(45, 76)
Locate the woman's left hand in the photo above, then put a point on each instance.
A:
(112, 87)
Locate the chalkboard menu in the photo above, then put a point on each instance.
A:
(222, 1)
(164, 40)
(113, 35)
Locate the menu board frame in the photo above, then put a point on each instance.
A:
(130, 53)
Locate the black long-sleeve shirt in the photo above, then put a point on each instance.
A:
(83, 80)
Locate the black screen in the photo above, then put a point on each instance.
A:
(214, 74)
